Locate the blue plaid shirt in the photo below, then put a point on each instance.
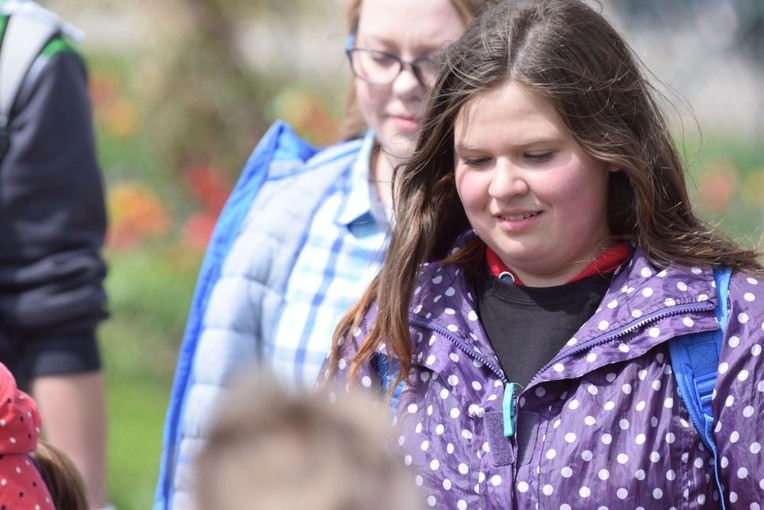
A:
(343, 251)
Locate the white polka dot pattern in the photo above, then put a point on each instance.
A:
(612, 431)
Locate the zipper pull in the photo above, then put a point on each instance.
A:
(509, 408)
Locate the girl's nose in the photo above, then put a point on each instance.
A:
(507, 181)
(407, 84)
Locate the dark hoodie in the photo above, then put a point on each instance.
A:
(52, 227)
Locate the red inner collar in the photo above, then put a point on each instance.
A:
(606, 263)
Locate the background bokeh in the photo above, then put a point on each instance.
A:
(183, 89)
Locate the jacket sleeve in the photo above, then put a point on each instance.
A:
(368, 376)
(739, 397)
(232, 306)
(52, 212)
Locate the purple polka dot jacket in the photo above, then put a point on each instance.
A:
(602, 425)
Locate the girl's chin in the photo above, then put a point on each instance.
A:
(399, 146)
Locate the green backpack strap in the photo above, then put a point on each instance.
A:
(28, 35)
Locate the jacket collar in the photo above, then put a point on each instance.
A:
(644, 307)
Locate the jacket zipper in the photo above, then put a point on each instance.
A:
(511, 393)
(511, 390)
(431, 325)
(625, 330)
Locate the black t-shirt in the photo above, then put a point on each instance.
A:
(527, 326)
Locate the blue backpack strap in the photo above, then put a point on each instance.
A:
(695, 362)
(388, 371)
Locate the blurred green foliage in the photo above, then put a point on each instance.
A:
(176, 116)
(726, 181)
(205, 104)
(150, 291)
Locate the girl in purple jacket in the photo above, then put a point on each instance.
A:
(544, 255)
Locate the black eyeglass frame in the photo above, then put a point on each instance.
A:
(402, 64)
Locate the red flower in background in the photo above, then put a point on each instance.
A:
(136, 214)
(717, 185)
(103, 89)
(207, 184)
(307, 114)
(116, 114)
(197, 230)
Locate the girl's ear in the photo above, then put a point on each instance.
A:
(614, 169)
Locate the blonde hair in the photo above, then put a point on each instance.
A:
(64, 481)
(272, 450)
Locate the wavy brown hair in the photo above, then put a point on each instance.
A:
(354, 124)
(61, 476)
(571, 55)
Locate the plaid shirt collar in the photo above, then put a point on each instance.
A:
(363, 202)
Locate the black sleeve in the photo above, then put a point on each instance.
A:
(52, 213)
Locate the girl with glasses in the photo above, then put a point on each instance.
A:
(303, 232)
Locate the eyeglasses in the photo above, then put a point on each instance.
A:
(380, 68)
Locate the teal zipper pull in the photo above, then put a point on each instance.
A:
(509, 408)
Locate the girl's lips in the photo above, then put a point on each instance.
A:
(404, 124)
(518, 217)
(517, 222)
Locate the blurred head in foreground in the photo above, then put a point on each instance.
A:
(273, 450)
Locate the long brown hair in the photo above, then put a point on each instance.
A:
(61, 476)
(354, 124)
(571, 55)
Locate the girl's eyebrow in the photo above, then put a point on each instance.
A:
(540, 140)
(389, 44)
(460, 147)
